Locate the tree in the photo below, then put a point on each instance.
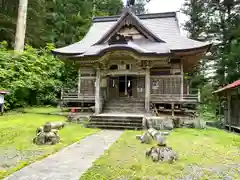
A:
(61, 22)
(216, 21)
(21, 25)
(139, 7)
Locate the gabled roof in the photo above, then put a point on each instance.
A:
(229, 86)
(144, 30)
(163, 27)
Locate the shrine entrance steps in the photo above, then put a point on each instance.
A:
(120, 113)
(124, 105)
(116, 121)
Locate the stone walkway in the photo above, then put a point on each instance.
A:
(71, 162)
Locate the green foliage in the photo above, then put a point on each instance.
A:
(139, 7)
(32, 77)
(217, 22)
(61, 22)
(35, 76)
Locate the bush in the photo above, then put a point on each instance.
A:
(32, 77)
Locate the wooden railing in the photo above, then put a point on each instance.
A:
(67, 94)
(175, 98)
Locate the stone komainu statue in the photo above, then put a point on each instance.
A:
(48, 133)
(162, 154)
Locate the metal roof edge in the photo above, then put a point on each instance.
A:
(140, 16)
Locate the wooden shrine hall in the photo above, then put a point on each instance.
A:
(132, 63)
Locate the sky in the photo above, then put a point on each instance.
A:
(156, 6)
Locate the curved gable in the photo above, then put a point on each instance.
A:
(129, 19)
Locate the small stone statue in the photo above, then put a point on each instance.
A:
(162, 154)
(145, 138)
(158, 136)
(48, 133)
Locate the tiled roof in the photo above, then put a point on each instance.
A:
(163, 25)
(144, 47)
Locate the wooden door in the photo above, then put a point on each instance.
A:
(113, 85)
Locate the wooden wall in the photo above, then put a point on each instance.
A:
(165, 84)
(235, 113)
(87, 81)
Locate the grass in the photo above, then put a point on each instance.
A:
(17, 131)
(203, 148)
(44, 109)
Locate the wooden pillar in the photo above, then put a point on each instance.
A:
(79, 82)
(199, 95)
(147, 89)
(173, 110)
(229, 110)
(97, 92)
(182, 79)
(126, 84)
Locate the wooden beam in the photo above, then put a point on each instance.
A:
(88, 77)
(124, 72)
(79, 82)
(182, 78)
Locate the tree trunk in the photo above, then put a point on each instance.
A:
(21, 25)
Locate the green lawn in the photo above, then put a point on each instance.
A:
(49, 109)
(17, 131)
(196, 148)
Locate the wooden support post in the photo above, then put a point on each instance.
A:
(97, 92)
(182, 79)
(199, 95)
(229, 110)
(173, 110)
(187, 89)
(61, 93)
(79, 83)
(1, 108)
(126, 84)
(147, 90)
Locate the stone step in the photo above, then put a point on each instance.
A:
(115, 118)
(116, 123)
(111, 121)
(124, 109)
(124, 104)
(114, 127)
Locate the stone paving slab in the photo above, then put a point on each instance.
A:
(71, 162)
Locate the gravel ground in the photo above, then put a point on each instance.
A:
(71, 162)
(226, 172)
(10, 157)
